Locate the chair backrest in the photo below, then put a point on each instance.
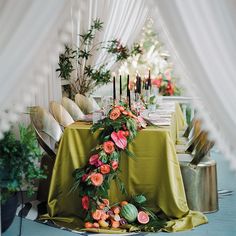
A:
(72, 108)
(44, 144)
(45, 127)
(194, 135)
(44, 122)
(60, 114)
(86, 104)
(201, 148)
(189, 129)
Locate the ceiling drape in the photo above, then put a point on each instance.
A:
(32, 34)
(200, 36)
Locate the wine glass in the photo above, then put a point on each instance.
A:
(106, 103)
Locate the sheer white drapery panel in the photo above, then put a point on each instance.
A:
(122, 19)
(201, 36)
(29, 43)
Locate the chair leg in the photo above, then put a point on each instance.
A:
(47, 164)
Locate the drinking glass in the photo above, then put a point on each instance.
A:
(106, 104)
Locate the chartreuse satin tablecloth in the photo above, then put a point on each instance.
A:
(155, 172)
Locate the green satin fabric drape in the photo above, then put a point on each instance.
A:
(154, 172)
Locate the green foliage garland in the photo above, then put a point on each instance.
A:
(93, 180)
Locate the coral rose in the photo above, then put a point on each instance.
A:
(105, 169)
(115, 113)
(108, 147)
(114, 165)
(97, 214)
(85, 202)
(96, 179)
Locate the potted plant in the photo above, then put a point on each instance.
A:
(79, 70)
(18, 168)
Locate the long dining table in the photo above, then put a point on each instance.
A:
(154, 172)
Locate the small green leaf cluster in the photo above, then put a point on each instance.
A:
(121, 52)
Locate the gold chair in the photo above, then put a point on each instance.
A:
(192, 134)
(60, 114)
(48, 133)
(199, 172)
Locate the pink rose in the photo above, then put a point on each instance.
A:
(84, 177)
(114, 165)
(85, 202)
(94, 160)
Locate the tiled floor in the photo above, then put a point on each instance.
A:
(220, 223)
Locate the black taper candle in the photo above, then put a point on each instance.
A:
(120, 87)
(149, 79)
(139, 84)
(127, 86)
(128, 92)
(114, 88)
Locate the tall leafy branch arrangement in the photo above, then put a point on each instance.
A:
(93, 180)
(78, 61)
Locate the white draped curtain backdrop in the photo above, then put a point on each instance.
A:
(123, 20)
(200, 36)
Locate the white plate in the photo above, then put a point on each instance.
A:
(88, 118)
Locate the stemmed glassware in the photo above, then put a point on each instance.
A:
(106, 103)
